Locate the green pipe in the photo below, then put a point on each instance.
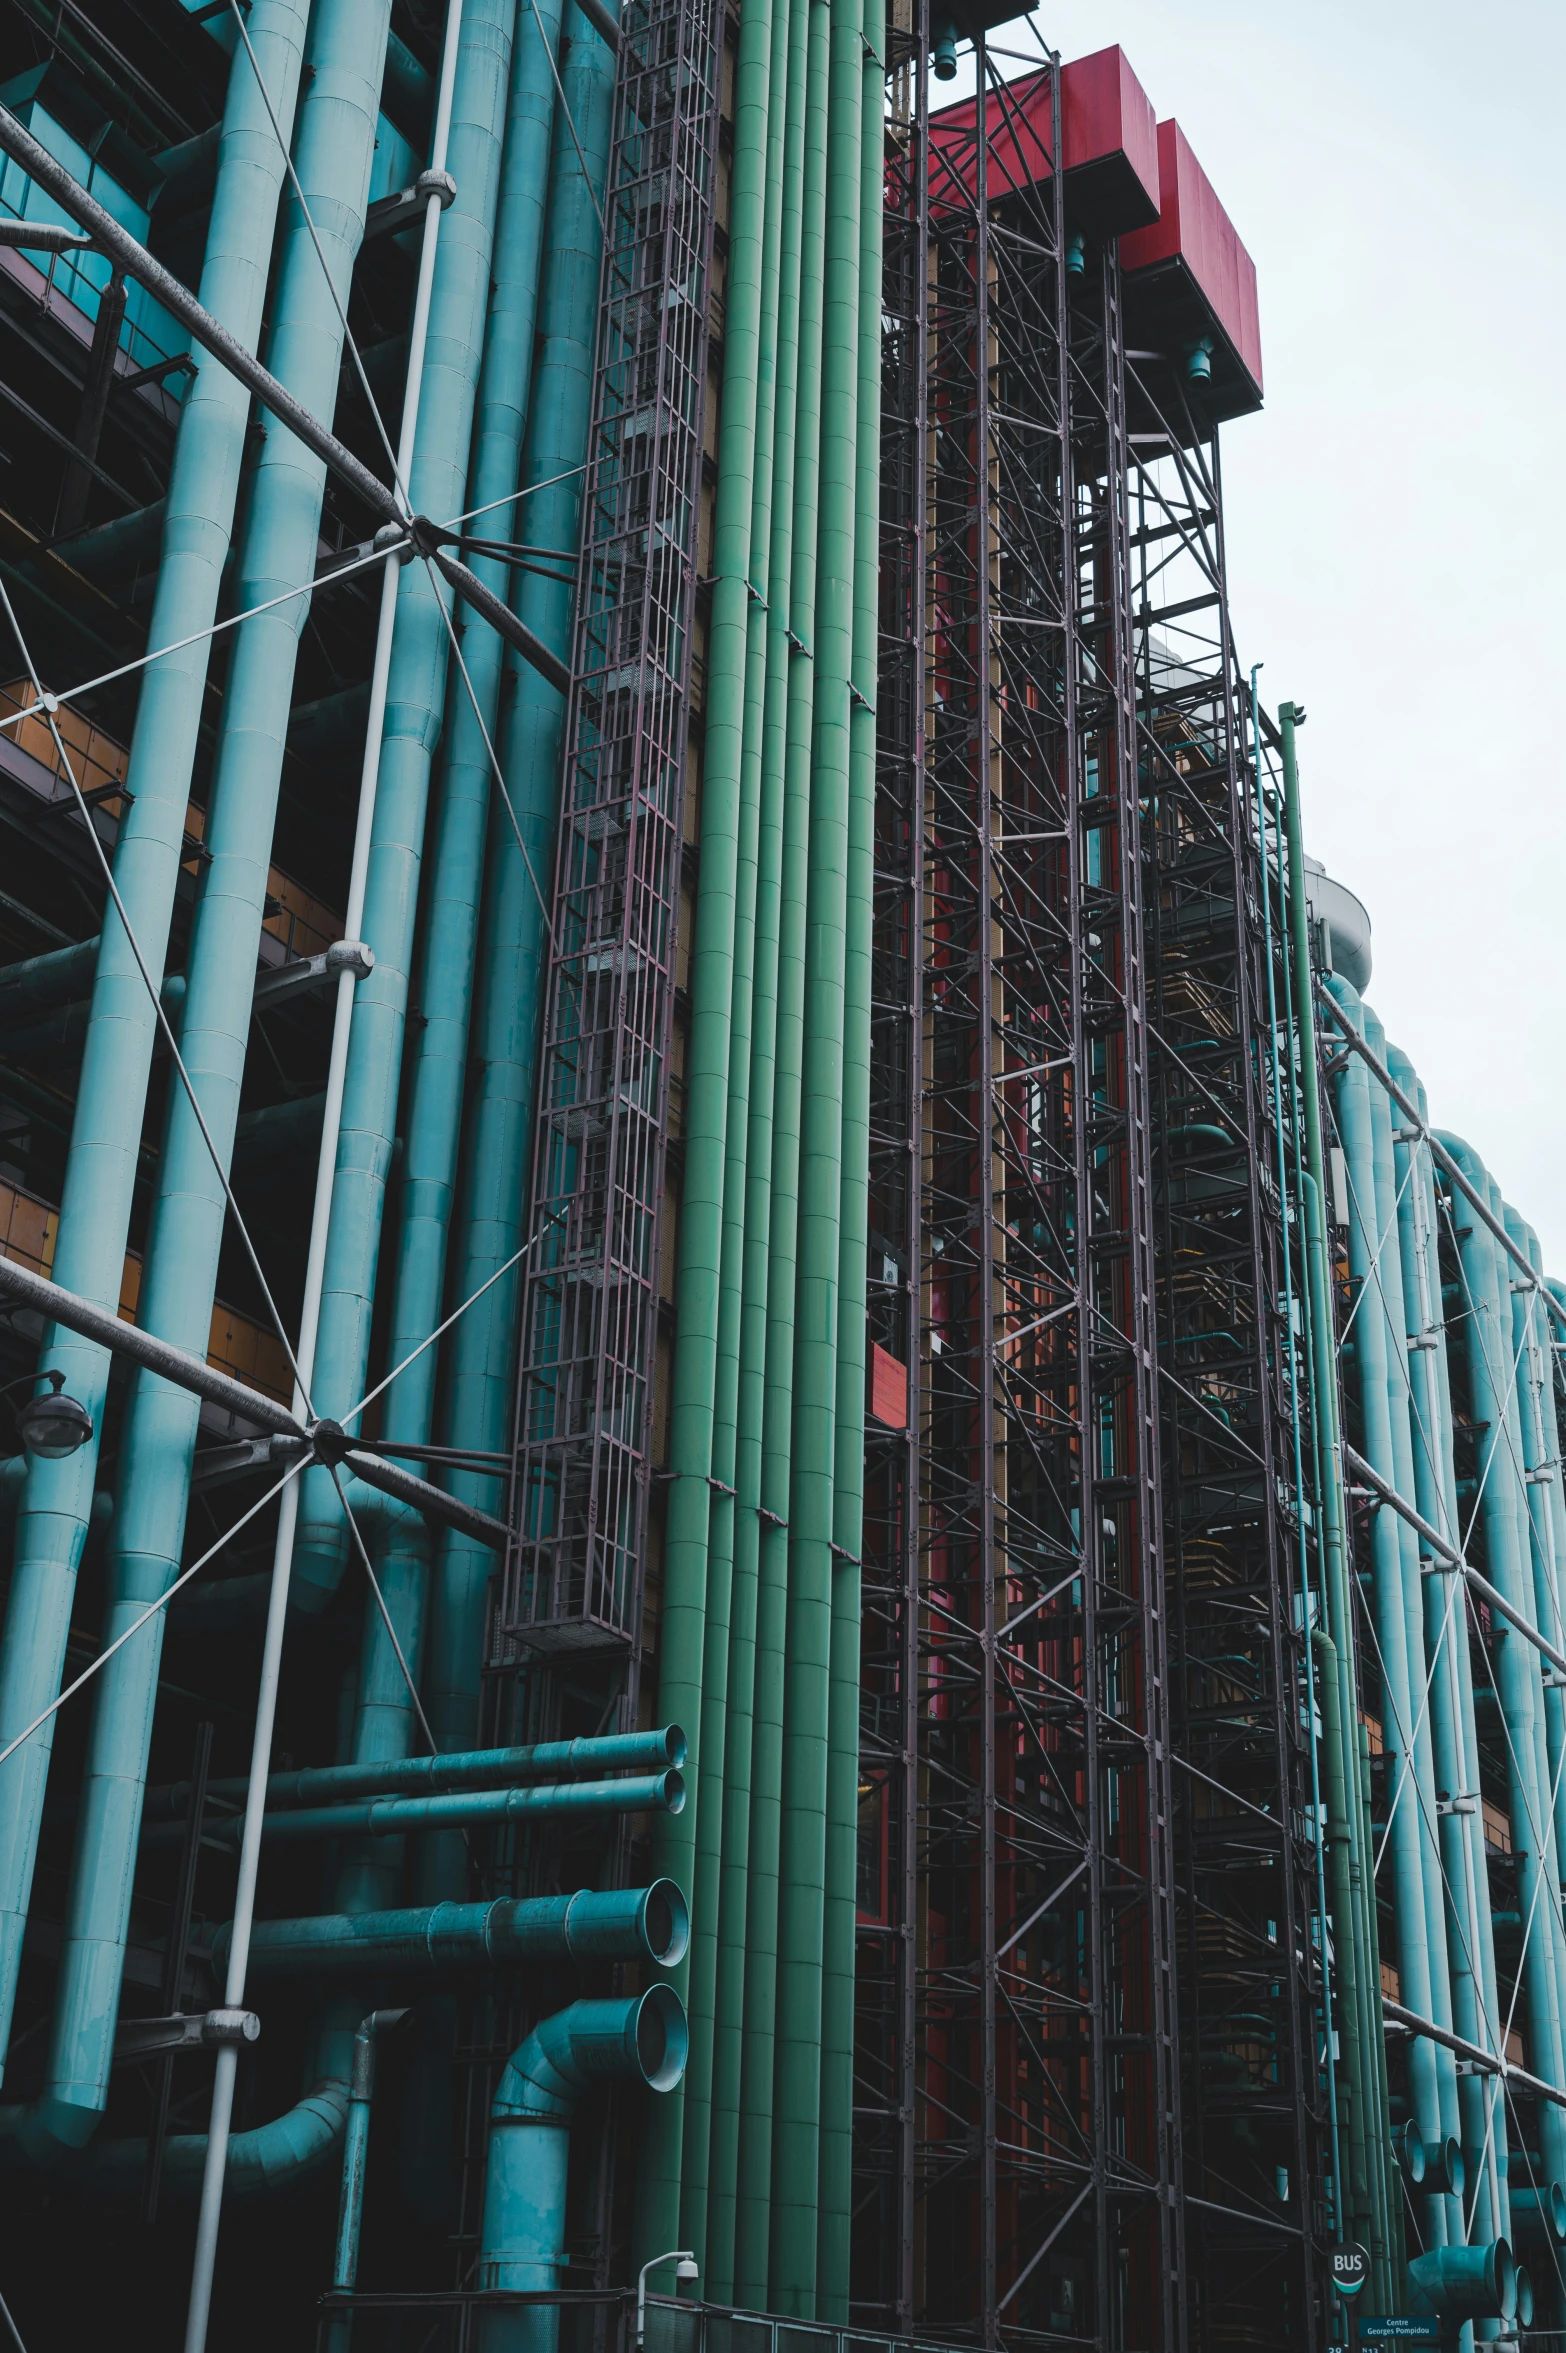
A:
(1542, 1492)
(620, 1924)
(747, 255)
(262, 2163)
(842, 1790)
(540, 1760)
(42, 984)
(802, 1867)
(682, 1660)
(1357, 1947)
(106, 1131)
(760, 785)
(747, 1978)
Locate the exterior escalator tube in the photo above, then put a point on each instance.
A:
(100, 1175)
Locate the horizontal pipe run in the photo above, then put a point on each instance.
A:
(136, 262)
(1453, 1559)
(1439, 1153)
(396, 1817)
(405, 1776)
(433, 1502)
(629, 1924)
(1485, 2061)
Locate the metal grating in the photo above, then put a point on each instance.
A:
(590, 1299)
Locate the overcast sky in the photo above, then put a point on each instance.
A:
(1397, 170)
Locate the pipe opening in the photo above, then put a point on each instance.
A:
(662, 2038)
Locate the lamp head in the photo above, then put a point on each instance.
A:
(54, 1425)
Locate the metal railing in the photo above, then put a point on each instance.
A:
(453, 2320)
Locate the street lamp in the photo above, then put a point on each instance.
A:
(53, 1425)
(685, 2268)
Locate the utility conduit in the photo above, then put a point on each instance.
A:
(631, 1924)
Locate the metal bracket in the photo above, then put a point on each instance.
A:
(406, 208)
(197, 2030)
(313, 972)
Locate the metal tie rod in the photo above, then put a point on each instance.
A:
(136, 262)
(1453, 1558)
(1485, 2061)
(1438, 1151)
(327, 1440)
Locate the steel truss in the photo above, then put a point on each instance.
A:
(1251, 2001)
(1087, 2097)
(590, 1298)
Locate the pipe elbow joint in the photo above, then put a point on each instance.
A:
(643, 2037)
(1465, 2283)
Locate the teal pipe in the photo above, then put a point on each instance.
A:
(394, 1817)
(1466, 2283)
(786, 767)
(842, 1790)
(265, 2162)
(621, 1924)
(1533, 1381)
(1381, 1325)
(41, 984)
(494, 316)
(523, 2230)
(812, 1529)
(356, 2154)
(503, 1038)
(480, 871)
(540, 1760)
(1487, 1328)
(1454, 1743)
(749, 1143)
(748, 232)
(689, 1561)
(106, 1131)
(415, 700)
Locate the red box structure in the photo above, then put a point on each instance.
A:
(1108, 132)
(1188, 276)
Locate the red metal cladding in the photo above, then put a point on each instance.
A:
(1191, 268)
(1107, 130)
(888, 1388)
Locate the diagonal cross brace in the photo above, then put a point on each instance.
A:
(136, 262)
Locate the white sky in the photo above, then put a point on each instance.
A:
(1397, 169)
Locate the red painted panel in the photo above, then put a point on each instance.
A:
(888, 1388)
(1108, 133)
(1194, 229)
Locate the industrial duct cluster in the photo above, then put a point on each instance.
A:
(486, 548)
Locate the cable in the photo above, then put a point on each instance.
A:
(380, 1603)
(153, 1608)
(587, 178)
(493, 761)
(157, 1003)
(72, 694)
